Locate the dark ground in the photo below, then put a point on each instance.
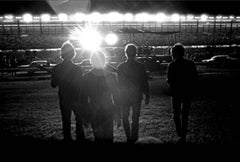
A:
(29, 113)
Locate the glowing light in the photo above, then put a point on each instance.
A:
(95, 17)
(62, 17)
(219, 17)
(142, 17)
(79, 17)
(111, 38)
(160, 17)
(27, 17)
(175, 17)
(113, 17)
(9, 17)
(182, 17)
(89, 38)
(190, 17)
(203, 17)
(45, 17)
(128, 17)
(231, 17)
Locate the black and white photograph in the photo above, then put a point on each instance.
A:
(119, 72)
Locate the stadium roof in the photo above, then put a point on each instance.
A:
(213, 7)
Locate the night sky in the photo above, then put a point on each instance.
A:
(213, 7)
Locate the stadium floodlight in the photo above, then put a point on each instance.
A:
(27, 17)
(9, 17)
(128, 17)
(45, 17)
(113, 17)
(182, 17)
(79, 17)
(203, 17)
(231, 17)
(190, 17)
(111, 38)
(219, 17)
(142, 17)
(160, 17)
(89, 38)
(95, 17)
(62, 17)
(175, 17)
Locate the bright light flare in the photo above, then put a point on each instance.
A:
(45, 17)
(128, 17)
(203, 17)
(63, 17)
(175, 17)
(111, 39)
(142, 17)
(95, 17)
(113, 17)
(27, 17)
(9, 17)
(79, 17)
(89, 38)
(160, 17)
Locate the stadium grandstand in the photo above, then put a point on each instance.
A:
(41, 35)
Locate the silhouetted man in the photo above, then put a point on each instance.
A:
(68, 77)
(182, 77)
(133, 84)
(101, 90)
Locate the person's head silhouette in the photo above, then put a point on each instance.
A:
(98, 60)
(67, 51)
(130, 51)
(177, 51)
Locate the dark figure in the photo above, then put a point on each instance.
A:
(68, 77)
(182, 77)
(133, 84)
(101, 91)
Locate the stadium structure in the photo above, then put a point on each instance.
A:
(113, 30)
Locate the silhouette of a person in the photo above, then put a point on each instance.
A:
(182, 78)
(133, 84)
(68, 78)
(101, 90)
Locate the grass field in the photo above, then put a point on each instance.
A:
(29, 111)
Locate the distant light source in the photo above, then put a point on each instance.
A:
(128, 17)
(142, 17)
(95, 17)
(203, 17)
(113, 17)
(9, 17)
(45, 17)
(62, 17)
(79, 17)
(27, 17)
(111, 38)
(89, 38)
(190, 17)
(160, 17)
(175, 17)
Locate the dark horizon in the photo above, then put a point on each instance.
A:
(212, 7)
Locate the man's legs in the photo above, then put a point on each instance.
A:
(107, 129)
(66, 122)
(125, 118)
(176, 104)
(185, 114)
(135, 121)
(79, 123)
